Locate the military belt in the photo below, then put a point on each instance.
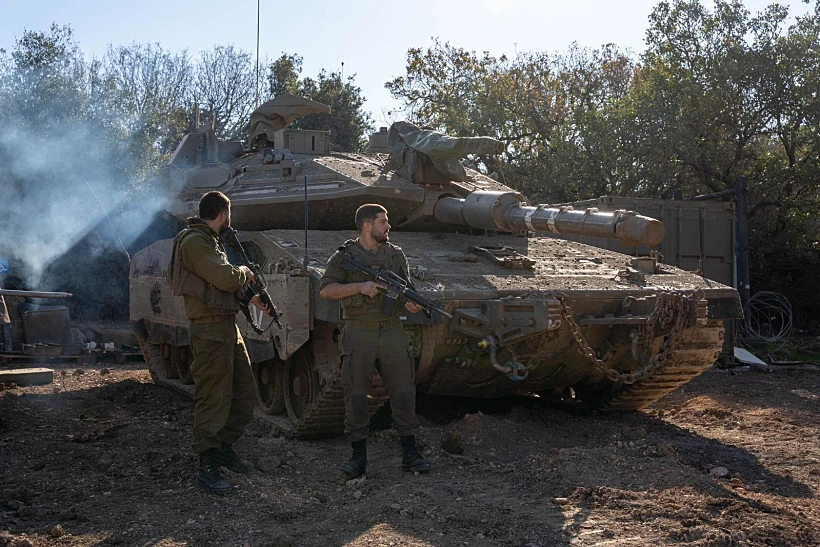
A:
(213, 319)
(385, 324)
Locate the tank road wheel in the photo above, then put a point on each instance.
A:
(300, 383)
(184, 365)
(269, 392)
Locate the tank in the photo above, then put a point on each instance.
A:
(531, 314)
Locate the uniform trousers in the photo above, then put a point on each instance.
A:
(386, 350)
(224, 385)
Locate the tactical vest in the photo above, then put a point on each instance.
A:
(185, 282)
(359, 305)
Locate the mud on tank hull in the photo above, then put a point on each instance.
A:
(530, 316)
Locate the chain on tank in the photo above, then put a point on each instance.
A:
(671, 308)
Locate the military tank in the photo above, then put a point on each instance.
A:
(531, 314)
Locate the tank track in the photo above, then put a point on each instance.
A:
(697, 350)
(324, 418)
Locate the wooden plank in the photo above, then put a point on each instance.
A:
(117, 357)
(27, 376)
(9, 358)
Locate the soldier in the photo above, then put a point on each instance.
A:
(224, 386)
(372, 341)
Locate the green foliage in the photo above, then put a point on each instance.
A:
(556, 114)
(696, 93)
(43, 80)
(797, 354)
(348, 123)
(283, 75)
(44, 98)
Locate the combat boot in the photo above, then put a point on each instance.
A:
(209, 478)
(356, 466)
(411, 459)
(230, 460)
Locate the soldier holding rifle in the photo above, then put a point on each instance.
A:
(214, 291)
(373, 340)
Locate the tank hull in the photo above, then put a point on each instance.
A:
(532, 316)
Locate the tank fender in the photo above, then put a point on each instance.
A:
(291, 294)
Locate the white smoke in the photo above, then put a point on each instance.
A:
(47, 193)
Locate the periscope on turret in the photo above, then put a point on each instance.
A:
(531, 313)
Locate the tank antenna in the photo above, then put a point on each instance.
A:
(257, 54)
(305, 259)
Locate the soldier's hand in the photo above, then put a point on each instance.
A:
(248, 274)
(257, 301)
(412, 307)
(371, 288)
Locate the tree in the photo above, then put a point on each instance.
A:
(348, 123)
(44, 79)
(283, 75)
(695, 95)
(149, 88)
(224, 89)
(554, 113)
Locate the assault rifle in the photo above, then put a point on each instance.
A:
(256, 287)
(396, 285)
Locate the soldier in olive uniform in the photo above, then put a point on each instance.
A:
(224, 386)
(372, 341)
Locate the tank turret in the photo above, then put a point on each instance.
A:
(424, 182)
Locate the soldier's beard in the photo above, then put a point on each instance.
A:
(381, 238)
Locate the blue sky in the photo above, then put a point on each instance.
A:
(370, 37)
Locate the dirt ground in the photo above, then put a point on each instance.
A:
(101, 457)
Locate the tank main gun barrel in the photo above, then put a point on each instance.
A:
(510, 211)
(35, 294)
